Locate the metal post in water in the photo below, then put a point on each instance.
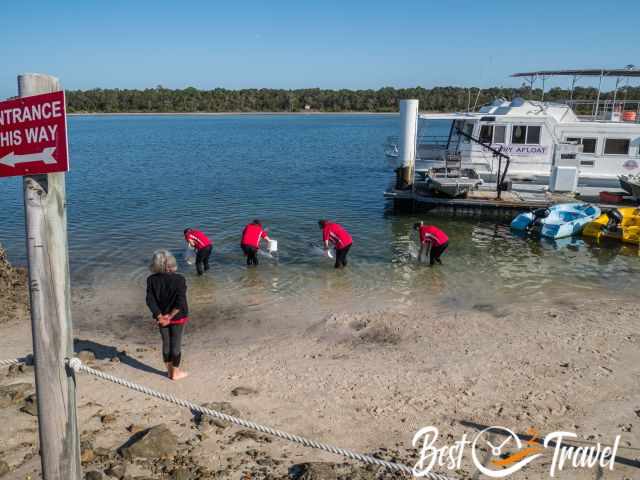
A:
(408, 141)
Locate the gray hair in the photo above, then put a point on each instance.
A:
(163, 261)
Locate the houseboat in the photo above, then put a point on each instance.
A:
(534, 135)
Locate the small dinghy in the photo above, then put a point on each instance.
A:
(631, 183)
(453, 183)
(557, 221)
(622, 224)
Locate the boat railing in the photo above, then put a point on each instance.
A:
(627, 111)
(422, 140)
(433, 140)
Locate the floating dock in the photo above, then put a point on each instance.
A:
(483, 202)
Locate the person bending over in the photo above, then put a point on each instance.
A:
(203, 245)
(433, 242)
(167, 300)
(339, 237)
(252, 234)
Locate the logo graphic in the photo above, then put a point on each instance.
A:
(630, 165)
(506, 463)
(508, 452)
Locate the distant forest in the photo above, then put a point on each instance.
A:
(163, 100)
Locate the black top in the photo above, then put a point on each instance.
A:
(166, 291)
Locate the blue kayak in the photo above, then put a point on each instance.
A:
(557, 221)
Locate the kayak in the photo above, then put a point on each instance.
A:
(622, 224)
(557, 221)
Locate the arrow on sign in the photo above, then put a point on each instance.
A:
(46, 156)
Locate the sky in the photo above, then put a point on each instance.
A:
(304, 44)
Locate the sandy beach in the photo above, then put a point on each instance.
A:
(364, 376)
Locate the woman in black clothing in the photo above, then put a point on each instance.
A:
(167, 300)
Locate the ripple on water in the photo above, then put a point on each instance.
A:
(136, 183)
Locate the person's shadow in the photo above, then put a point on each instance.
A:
(105, 352)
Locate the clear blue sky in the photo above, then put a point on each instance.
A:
(323, 43)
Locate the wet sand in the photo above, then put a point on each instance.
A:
(364, 375)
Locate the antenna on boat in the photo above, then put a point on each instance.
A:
(477, 98)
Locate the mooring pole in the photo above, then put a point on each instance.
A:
(408, 141)
(49, 291)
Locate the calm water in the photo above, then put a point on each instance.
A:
(137, 182)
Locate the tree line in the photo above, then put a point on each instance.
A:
(164, 100)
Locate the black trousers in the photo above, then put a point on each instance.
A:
(251, 253)
(341, 256)
(436, 252)
(172, 344)
(202, 259)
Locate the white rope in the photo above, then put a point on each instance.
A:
(77, 365)
(28, 360)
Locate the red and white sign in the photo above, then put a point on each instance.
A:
(33, 135)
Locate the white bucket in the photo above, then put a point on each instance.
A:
(272, 246)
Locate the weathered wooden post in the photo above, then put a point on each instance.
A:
(49, 289)
(408, 142)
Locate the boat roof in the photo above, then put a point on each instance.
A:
(518, 107)
(629, 71)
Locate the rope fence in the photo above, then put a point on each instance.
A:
(28, 360)
(78, 367)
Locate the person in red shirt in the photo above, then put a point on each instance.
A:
(433, 241)
(336, 234)
(203, 245)
(251, 236)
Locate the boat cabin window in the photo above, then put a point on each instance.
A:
(519, 134)
(616, 146)
(526, 134)
(588, 144)
(533, 134)
(465, 127)
(499, 134)
(468, 129)
(486, 134)
(492, 134)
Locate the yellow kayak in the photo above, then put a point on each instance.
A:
(621, 224)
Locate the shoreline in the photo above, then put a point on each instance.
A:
(205, 114)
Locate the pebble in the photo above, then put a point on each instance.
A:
(157, 442)
(108, 418)
(30, 405)
(14, 393)
(243, 391)
(116, 471)
(86, 452)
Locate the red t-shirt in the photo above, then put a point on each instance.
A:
(197, 238)
(337, 235)
(433, 234)
(252, 234)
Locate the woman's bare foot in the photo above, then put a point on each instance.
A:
(179, 374)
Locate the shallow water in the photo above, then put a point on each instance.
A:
(137, 181)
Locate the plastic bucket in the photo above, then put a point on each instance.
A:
(272, 246)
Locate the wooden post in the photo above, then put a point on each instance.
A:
(49, 291)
